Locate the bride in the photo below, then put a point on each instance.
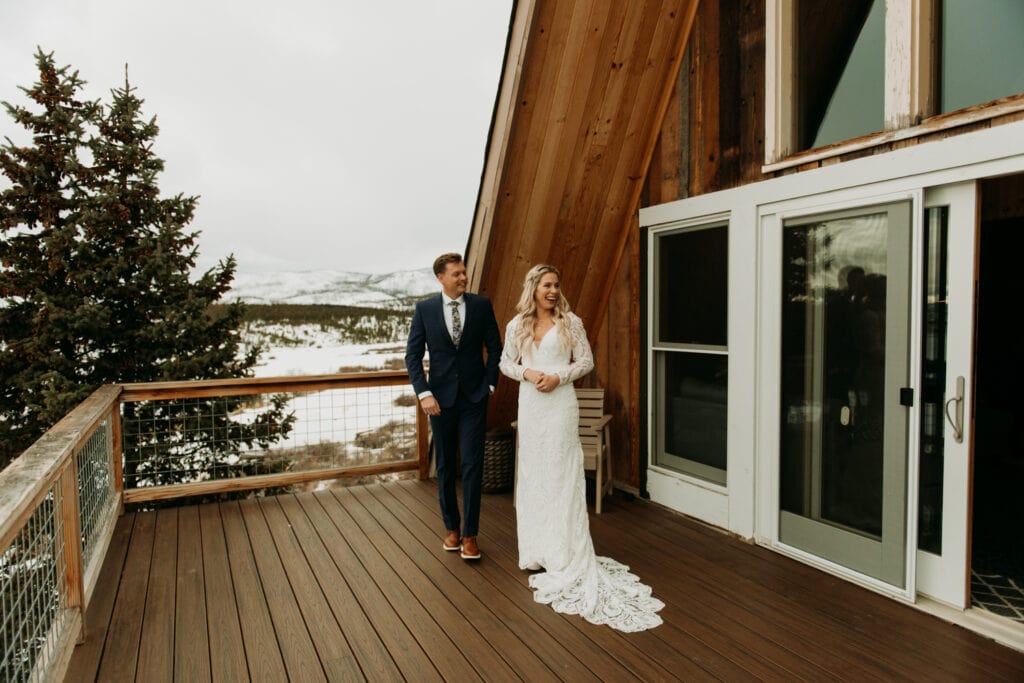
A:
(546, 350)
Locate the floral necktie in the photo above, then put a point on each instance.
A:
(456, 323)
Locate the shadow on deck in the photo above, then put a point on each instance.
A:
(352, 584)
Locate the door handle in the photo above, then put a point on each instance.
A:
(956, 420)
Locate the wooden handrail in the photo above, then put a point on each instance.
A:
(151, 391)
(27, 480)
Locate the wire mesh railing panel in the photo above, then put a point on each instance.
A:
(96, 492)
(176, 441)
(32, 573)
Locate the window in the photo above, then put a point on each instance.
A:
(840, 70)
(844, 76)
(982, 52)
(690, 361)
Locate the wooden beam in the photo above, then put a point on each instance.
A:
(263, 481)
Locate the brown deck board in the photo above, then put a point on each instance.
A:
(396, 636)
(262, 652)
(710, 590)
(590, 658)
(374, 659)
(519, 612)
(156, 647)
(797, 590)
(191, 640)
(352, 584)
(335, 655)
(444, 652)
(715, 652)
(500, 621)
(227, 653)
(297, 649)
(86, 662)
(606, 652)
(451, 605)
(125, 629)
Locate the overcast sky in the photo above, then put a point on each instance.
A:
(319, 134)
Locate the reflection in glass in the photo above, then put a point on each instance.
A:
(833, 370)
(693, 429)
(692, 288)
(840, 70)
(982, 52)
(933, 382)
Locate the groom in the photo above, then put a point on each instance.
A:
(456, 326)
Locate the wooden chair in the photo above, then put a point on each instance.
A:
(595, 437)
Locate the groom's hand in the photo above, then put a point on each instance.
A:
(430, 405)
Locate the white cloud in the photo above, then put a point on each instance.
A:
(318, 134)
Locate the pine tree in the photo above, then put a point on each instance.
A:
(96, 284)
(39, 231)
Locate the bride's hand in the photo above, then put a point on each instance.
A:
(547, 382)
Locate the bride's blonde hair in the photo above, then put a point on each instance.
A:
(527, 308)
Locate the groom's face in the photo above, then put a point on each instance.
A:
(454, 279)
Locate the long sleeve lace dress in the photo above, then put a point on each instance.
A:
(551, 510)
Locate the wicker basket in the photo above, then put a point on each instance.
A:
(499, 461)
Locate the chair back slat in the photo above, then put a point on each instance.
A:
(591, 403)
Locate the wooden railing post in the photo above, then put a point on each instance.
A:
(423, 442)
(71, 538)
(116, 455)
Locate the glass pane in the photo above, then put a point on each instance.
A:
(982, 52)
(833, 372)
(692, 287)
(840, 70)
(692, 425)
(933, 382)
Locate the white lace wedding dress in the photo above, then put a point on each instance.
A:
(551, 507)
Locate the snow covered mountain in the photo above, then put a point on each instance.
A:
(382, 290)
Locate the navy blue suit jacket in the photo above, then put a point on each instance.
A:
(454, 370)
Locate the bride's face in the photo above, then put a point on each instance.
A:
(548, 292)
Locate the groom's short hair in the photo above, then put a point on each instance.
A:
(442, 261)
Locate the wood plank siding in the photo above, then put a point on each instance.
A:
(585, 87)
(352, 584)
(607, 107)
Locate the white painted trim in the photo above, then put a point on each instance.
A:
(779, 92)
(1000, 629)
(898, 57)
(694, 497)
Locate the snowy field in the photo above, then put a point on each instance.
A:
(328, 359)
(358, 425)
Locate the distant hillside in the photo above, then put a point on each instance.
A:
(394, 291)
(290, 325)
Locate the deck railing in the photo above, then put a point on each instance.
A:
(145, 443)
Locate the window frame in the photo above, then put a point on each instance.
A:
(680, 465)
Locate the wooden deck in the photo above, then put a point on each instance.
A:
(352, 584)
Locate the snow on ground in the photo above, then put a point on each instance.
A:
(288, 361)
(315, 351)
(337, 416)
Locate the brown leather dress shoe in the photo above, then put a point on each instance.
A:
(470, 550)
(452, 541)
